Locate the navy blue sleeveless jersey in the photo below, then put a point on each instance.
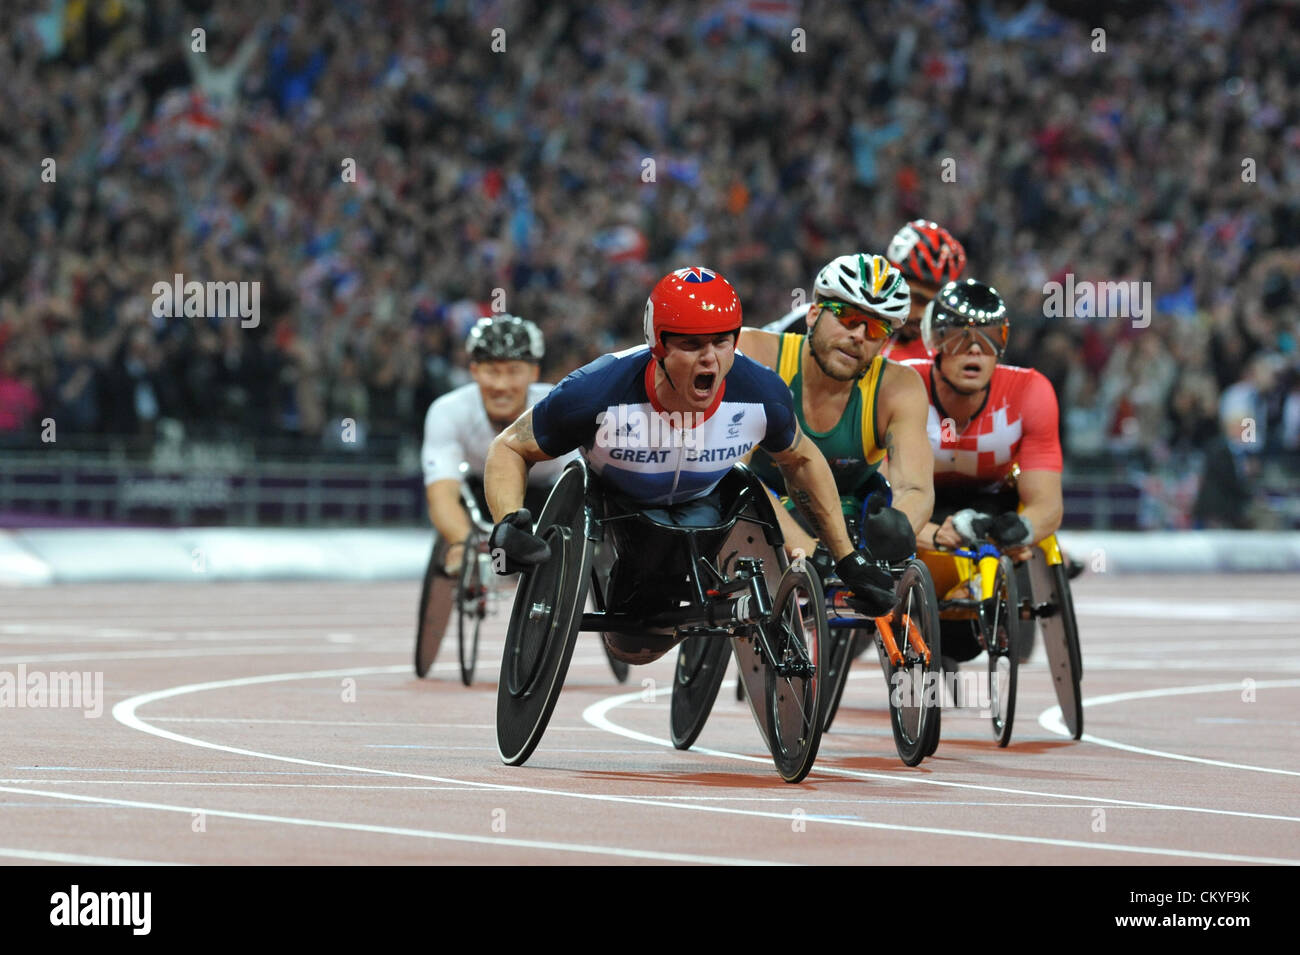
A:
(607, 410)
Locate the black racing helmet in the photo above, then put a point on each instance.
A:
(505, 338)
(968, 307)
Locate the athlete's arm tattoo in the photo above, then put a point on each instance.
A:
(803, 500)
(521, 431)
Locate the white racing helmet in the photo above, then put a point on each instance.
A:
(868, 281)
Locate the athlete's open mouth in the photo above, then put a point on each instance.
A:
(704, 385)
(971, 368)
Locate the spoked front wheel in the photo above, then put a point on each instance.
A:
(798, 635)
(1002, 632)
(915, 682)
(471, 608)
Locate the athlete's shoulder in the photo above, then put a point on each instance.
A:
(608, 376)
(790, 321)
(751, 380)
(922, 367)
(1021, 379)
(456, 402)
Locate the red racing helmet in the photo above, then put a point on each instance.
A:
(692, 301)
(926, 252)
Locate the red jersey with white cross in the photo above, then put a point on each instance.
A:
(1016, 424)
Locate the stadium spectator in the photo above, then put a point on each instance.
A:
(526, 171)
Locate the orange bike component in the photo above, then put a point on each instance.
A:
(891, 645)
(914, 638)
(887, 637)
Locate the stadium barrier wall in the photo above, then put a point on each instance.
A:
(66, 555)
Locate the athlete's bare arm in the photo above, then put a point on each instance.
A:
(505, 475)
(763, 347)
(902, 411)
(810, 484)
(448, 515)
(1042, 504)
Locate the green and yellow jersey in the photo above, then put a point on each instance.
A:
(852, 447)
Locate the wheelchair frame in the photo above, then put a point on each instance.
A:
(774, 615)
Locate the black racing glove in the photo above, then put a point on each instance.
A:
(872, 586)
(971, 526)
(888, 532)
(513, 537)
(1011, 530)
(822, 561)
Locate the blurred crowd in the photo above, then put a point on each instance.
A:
(554, 160)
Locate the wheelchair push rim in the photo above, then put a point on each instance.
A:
(544, 623)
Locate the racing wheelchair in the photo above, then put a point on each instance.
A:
(984, 587)
(656, 584)
(907, 642)
(473, 595)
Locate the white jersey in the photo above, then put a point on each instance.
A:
(784, 323)
(456, 429)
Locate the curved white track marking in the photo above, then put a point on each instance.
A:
(400, 831)
(595, 714)
(1050, 719)
(70, 858)
(124, 712)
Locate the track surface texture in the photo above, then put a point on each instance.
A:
(282, 723)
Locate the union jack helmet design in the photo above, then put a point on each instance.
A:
(690, 301)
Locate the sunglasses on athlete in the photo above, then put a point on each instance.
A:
(957, 338)
(850, 316)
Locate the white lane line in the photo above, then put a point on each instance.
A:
(186, 783)
(595, 714)
(124, 712)
(367, 647)
(1118, 664)
(800, 799)
(1050, 719)
(69, 858)
(1277, 611)
(500, 841)
(235, 719)
(93, 654)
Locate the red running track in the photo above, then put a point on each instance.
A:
(281, 723)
